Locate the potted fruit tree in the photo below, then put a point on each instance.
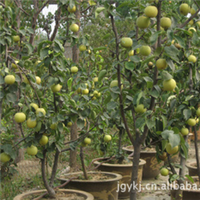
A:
(40, 100)
(143, 82)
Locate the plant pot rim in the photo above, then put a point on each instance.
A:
(131, 150)
(26, 194)
(189, 165)
(142, 162)
(116, 178)
(187, 190)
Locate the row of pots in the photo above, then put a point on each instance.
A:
(118, 174)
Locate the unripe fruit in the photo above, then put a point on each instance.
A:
(126, 42)
(44, 140)
(164, 171)
(56, 88)
(150, 64)
(74, 28)
(74, 69)
(145, 50)
(107, 138)
(95, 79)
(192, 58)
(87, 140)
(16, 38)
(165, 22)
(191, 122)
(71, 10)
(69, 124)
(82, 47)
(192, 11)
(161, 63)
(31, 123)
(42, 110)
(140, 108)
(53, 126)
(114, 83)
(198, 23)
(151, 11)
(171, 150)
(20, 117)
(184, 8)
(169, 85)
(184, 131)
(198, 112)
(143, 22)
(38, 80)
(9, 79)
(34, 105)
(86, 91)
(163, 156)
(4, 157)
(191, 30)
(178, 46)
(32, 150)
(131, 53)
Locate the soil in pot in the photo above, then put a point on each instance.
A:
(190, 190)
(61, 194)
(102, 187)
(125, 169)
(152, 165)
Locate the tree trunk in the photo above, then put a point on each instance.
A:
(136, 160)
(73, 154)
(75, 58)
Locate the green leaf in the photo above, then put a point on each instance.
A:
(39, 125)
(59, 45)
(187, 113)
(101, 75)
(164, 120)
(172, 52)
(135, 59)
(69, 82)
(171, 64)
(80, 123)
(166, 76)
(92, 3)
(98, 10)
(150, 123)
(189, 178)
(112, 105)
(174, 139)
(154, 38)
(130, 66)
(11, 97)
(1, 80)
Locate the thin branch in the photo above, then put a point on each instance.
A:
(2, 4)
(86, 9)
(170, 165)
(109, 159)
(38, 12)
(57, 19)
(20, 7)
(22, 139)
(119, 80)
